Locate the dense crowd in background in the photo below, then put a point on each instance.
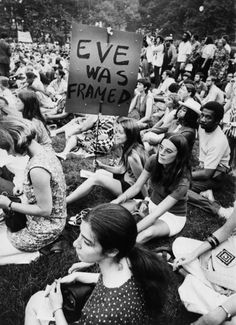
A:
(185, 97)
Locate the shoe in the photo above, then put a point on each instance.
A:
(77, 219)
(81, 153)
(225, 212)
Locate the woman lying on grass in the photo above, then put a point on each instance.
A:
(170, 177)
(131, 164)
(132, 284)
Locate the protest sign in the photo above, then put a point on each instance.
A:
(103, 69)
(24, 37)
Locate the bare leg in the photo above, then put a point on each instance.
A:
(109, 183)
(158, 229)
(71, 143)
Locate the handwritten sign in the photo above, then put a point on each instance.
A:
(103, 69)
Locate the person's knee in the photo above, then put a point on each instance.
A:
(177, 246)
(98, 180)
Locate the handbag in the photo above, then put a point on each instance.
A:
(15, 221)
(75, 295)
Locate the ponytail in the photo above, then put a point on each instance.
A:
(151, 274)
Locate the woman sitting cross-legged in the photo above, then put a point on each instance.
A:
(170, 177)
(44, 189)
(131, 286)
(131, 164)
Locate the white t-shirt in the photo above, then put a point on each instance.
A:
(185, 48)
(158, 55)
(208, 51)
(213, 148)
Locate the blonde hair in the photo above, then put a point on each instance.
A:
(21, 130)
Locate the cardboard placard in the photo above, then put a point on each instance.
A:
(103, 68)
(24, 37)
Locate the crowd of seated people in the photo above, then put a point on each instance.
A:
(185, 97)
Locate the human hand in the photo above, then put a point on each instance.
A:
(55, 295)
(97, 163)
(79, 266)
(4, 202)
(178, 262)
(18, 190)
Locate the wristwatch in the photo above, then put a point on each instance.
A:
(228, 315)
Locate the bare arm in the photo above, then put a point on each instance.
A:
(134, 189)
(203, 174)
(148, 111)
(137, 168)
(162, 207)
(221, 234)
(41, 183)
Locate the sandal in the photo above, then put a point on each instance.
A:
(77, 219)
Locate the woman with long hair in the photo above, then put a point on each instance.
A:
(29, 106)
(185, 123)
(170, 177)
(131, 164)
(132, 283)
(207, 55)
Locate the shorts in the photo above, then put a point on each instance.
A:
(174, 223)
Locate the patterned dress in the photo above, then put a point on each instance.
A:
(41, 231)
(122, 306)
(220, 62)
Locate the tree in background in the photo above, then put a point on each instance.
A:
(53, 17)
(175, 16)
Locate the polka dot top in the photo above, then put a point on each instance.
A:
(121, 305)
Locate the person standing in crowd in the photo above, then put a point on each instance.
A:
(194, 57)
(157, 60)
(207, 55)
(131, 287)
(220, 62)
(170, 54)
(184, 51)
(226, 43)
(5, 54)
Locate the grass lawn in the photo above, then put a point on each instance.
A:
(19, 282)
